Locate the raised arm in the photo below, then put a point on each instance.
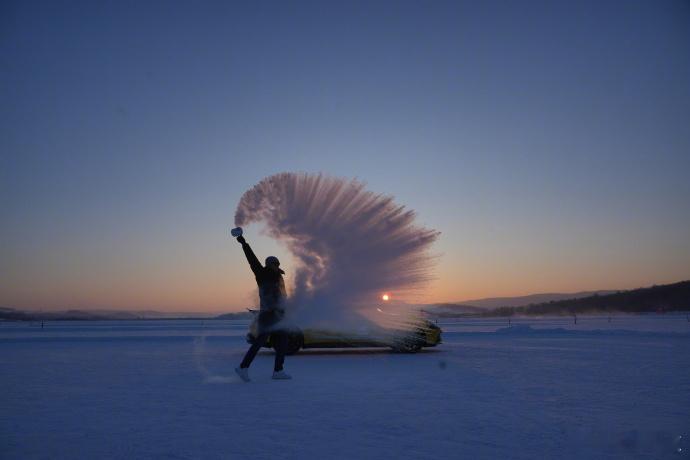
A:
(251, 257)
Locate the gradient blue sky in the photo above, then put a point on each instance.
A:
(548, 141)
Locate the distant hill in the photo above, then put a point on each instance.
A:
(662, 298)
(452, 309)
(238, 315)
(11, 314)
(520, 301)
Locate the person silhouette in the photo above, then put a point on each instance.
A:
(272, 294)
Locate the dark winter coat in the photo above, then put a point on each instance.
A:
(270, 282)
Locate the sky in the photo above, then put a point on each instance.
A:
(547, 141)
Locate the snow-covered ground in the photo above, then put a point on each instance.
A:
(543, 388)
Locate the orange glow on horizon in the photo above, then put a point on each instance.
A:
(385, 297)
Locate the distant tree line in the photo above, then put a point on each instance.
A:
(664, 298)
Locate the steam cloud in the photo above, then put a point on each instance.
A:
(350, 244)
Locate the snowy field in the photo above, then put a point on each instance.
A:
(543, 388)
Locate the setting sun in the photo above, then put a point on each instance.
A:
(385, 297)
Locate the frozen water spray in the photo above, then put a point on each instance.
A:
(350, 244)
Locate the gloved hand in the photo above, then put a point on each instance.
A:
(241, 240)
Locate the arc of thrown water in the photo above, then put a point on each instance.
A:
(350, 244)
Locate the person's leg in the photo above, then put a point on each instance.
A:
(253, 350)
(280, 342)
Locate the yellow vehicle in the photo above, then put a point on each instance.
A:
(407, 339)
